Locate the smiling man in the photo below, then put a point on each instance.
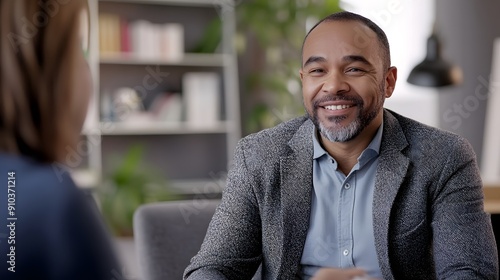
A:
(352, 189)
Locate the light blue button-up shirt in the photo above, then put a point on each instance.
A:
(340, 232)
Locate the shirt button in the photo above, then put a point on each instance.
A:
(347, 186)
(346, 252)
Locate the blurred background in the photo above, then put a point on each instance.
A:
(179, 82)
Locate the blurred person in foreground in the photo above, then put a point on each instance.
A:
(48, 228)
(352, 190)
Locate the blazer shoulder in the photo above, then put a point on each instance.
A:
(428, 138)
(274, 139)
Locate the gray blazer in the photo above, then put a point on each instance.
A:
(428, 215)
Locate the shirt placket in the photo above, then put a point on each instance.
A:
(345, 212)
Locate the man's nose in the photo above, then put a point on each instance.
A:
(334, 83)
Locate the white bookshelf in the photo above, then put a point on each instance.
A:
(186, 154)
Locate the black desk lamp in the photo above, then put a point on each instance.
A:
(434, 71)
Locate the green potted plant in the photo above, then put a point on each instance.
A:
(128, 186)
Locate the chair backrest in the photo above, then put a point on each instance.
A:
(168, 234)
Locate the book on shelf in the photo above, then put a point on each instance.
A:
(140, 38)
(125, 42)
(171, 41)
(109, 34)
(145, 43)
(201, 94)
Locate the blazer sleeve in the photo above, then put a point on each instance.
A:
(463, 240)
(232, 246)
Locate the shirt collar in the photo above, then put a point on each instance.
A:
(318, 151)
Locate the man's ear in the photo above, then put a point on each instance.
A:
(390, 81)
(301, 73)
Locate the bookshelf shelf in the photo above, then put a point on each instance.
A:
(198, 3)
(189, 59)
(184, 148)
(161, 129)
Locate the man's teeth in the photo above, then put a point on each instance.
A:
(337, 107)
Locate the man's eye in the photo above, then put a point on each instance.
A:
(316, 71)
(355, 70)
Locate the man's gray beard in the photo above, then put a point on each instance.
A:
(342, 134)
(353, 129)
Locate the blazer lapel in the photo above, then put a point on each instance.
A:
(296, 188)
(391, 171)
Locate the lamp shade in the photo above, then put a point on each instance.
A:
(434, 71)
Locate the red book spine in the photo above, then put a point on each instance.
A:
(125, 36)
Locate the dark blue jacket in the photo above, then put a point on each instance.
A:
(52, 230)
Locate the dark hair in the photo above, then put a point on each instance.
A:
(348, 16)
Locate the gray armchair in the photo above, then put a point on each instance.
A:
(168, 234)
